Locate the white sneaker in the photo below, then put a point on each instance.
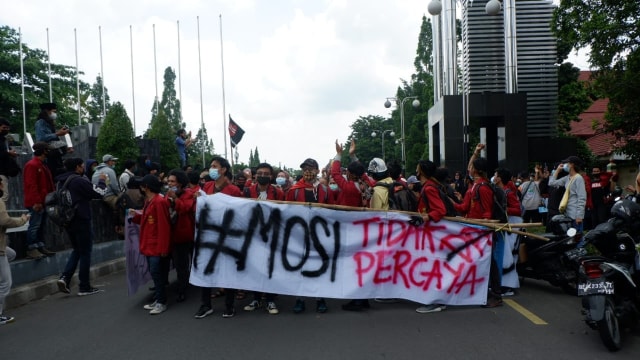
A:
(150, 306)
(430, 308)
(158, 309)
(272, 308)
(255, 304)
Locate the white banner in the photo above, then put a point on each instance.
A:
(297, 249)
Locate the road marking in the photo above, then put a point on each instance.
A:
(524, 312)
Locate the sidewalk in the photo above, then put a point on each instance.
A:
(36, 279)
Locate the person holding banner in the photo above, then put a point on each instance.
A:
(263, 190)
(155, 239)
(309, 190)
(220, 174)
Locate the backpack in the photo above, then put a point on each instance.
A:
(499, 209)
(59, 205)
(448, 204)
(400, 197)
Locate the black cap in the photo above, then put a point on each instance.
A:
(309, 163)
(48, 106)
(574, 160)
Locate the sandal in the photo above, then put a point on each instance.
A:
(218, 293)
(240, 295)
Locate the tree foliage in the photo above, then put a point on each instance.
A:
(201, 146)
(611, 29)
(160, 129)
(367, 146)
(117, 137)
(170, 104)
(94, 102)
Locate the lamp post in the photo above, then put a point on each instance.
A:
(400, 103)
(383, 132)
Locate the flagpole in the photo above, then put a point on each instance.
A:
(24, 107)
(133, 88)
(179, 73)
(104, 101)
(75, 41)
(155, 67)
(49, 68)
(200, 76)
(224, 110)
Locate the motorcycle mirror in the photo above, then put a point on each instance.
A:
(572, 232)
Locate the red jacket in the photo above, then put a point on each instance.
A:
(155, 227)
(513, 203)
(297, 193)
(229, 189)
(433, 206)
(273, 192)
(349, 193)
(183, 231)
(37, 181)
(478, 201)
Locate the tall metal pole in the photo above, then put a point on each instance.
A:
(224, 111)
(75, 40)
(155, 67)
(24, 106)
(200, 76)
(133, 88)
(104, 97)
(510, 47)
(179, 72)
(49, 68)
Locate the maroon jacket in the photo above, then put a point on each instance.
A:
(183, 231)
(155, 227)
(273, 192)
(349, 194)
(297, 193)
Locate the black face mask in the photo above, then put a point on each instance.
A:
(263, 180)
(4, 132)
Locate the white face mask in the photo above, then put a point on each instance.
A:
(53, 116)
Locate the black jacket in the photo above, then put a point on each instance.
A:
(82, 192)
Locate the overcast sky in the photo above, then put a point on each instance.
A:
(297, 73)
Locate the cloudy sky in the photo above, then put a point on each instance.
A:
(297, 73)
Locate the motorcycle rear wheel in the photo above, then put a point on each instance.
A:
(609, 328)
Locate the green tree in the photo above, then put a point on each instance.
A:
(94, 101)
(168, 151)
(117, 137)
(36, 81)
(367, 146)
(611, 29)
(170, 104)
(256, 158)
(201, 146)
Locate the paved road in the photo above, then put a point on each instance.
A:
(111, 325)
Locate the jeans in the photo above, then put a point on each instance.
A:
(5, 280)
(36, 225)
(159, 269)
(81, 236)
(181, 255)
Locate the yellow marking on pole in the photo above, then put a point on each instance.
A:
(524, 312)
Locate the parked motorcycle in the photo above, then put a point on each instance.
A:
(609, 283)
(547, 260)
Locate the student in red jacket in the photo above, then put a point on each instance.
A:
(155, 239)
(183, 204)
(263, 189)
(350, 193)
(220, 174)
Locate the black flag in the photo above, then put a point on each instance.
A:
(235, 132)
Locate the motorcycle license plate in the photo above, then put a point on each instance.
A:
(592, 287)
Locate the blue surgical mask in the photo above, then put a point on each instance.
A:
(281, 181)
(173, 188)
(214, 174)
(333, 187)
(565, 167)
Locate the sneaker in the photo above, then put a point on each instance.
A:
(203, 312)
(5, 319)
(272, 308)
(356, 305)
(89, 291)
(63, 285)
(386, 301)
(150, 306)
(255, 304)
(158, 309)
(299, 307)
(321, 306)
(46, 252)
(35, 254)
(493, 302)
(430, 308)
(229, 313)
(508, 292)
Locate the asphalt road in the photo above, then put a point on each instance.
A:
(111, 325)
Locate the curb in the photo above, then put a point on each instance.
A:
(36, 290)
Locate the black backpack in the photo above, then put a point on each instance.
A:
(59, 205)
(400, 197)
(446, 200)
(499, 209)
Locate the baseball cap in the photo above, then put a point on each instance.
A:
(109, 157)
(309, 163)
(412, 180)
(573, 159)
(377, 165)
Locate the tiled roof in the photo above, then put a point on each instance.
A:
(584, 76)
(593, 115)
(601, 144)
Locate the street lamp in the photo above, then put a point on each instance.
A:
(415, 104)
(383, 132)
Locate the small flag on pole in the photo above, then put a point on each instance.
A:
(235, 132)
